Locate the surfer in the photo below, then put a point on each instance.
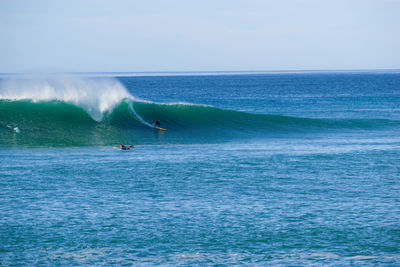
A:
(122, 147)
(157, 123)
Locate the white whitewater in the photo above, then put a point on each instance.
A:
(96, 96)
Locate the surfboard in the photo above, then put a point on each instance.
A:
(129, 149)
(159, 128)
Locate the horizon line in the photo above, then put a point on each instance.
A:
(200, 72)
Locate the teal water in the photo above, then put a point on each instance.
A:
(258, 170)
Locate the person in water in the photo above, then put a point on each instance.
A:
(122, 147)
(157, 123)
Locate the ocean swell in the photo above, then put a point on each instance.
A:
(78, 111)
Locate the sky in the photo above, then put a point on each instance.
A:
(202, 35)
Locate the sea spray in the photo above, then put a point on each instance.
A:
(96, 96)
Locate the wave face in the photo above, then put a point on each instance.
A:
(86, 112)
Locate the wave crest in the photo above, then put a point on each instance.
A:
(96, 96)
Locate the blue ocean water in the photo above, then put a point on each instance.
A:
(254, 169)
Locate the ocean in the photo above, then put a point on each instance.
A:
(259, 169)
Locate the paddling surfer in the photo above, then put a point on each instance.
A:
(122, 147)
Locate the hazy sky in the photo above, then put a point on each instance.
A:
(203, 35)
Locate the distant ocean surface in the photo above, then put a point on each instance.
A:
(254, 169)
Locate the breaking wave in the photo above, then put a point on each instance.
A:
(85, 112)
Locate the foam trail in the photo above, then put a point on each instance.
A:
(138, 117)
(96, 96)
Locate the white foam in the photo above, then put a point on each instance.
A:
(184, 104)
(95, 95)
